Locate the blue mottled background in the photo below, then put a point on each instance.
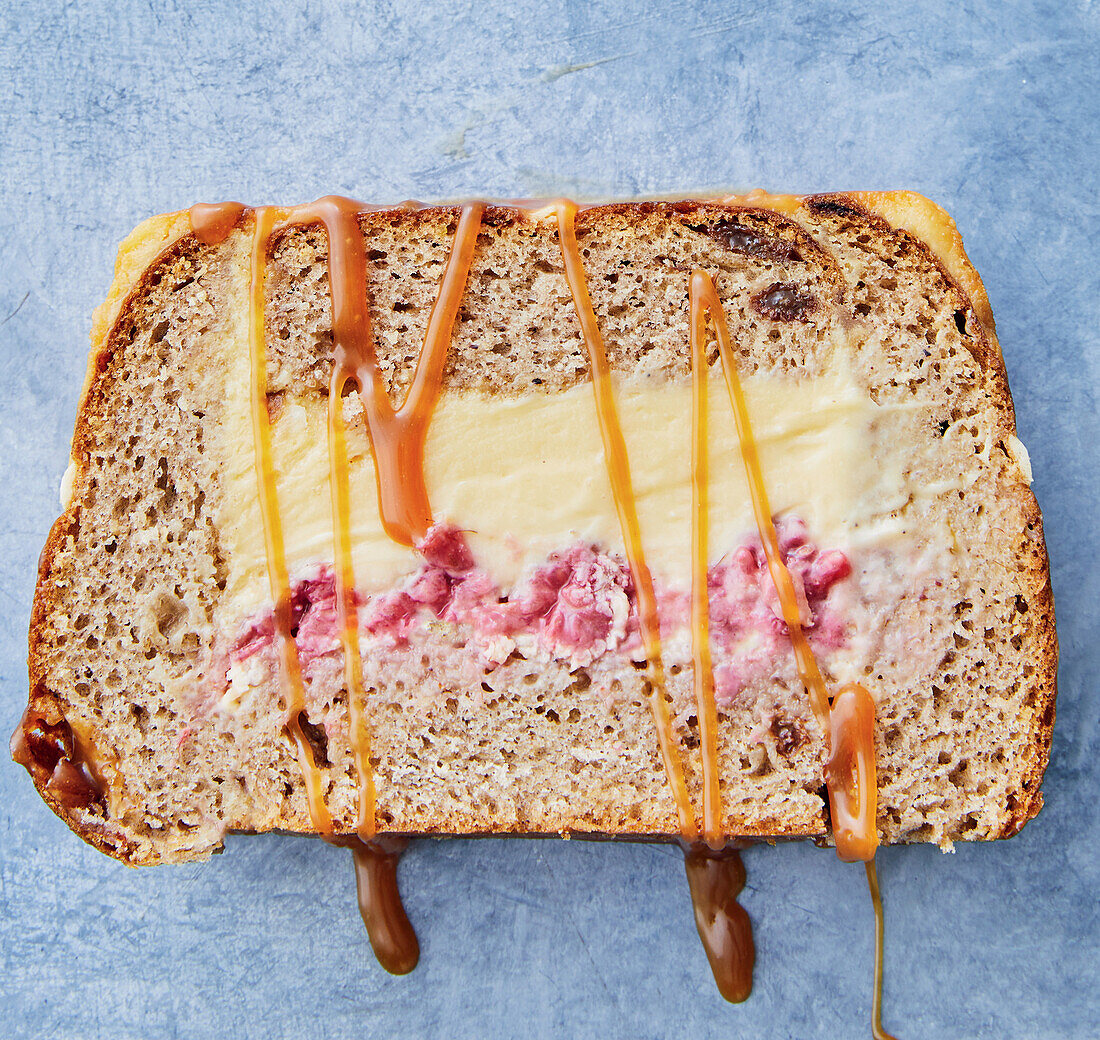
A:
(111, 112)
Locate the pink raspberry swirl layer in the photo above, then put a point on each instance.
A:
(578, 606)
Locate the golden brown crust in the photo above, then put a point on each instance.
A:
(140, 256)
(1027, 800)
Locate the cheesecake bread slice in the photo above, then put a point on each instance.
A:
(507, 683)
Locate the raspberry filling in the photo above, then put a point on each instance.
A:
(577, 606)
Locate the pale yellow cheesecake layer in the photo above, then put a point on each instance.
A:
(525, 476)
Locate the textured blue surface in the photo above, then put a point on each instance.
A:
(112, 112)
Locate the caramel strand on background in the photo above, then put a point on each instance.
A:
(715, 878)
(877, 1030)
(622, 490)
(391, 935)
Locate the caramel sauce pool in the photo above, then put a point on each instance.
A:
(391, 935)
(715, 879)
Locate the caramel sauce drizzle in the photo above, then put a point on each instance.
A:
(715, 875)
(397, 443)
(622, 490)
(705, 297)
(290, 675)
(703, 669)
(347, 613)
(848, 723)
(397, 437)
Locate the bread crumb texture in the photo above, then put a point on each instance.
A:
(950, 624)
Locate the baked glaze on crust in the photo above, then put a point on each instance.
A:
(908, 219)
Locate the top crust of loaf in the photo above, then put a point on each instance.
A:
(907, 220)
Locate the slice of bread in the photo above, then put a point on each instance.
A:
(505, 681)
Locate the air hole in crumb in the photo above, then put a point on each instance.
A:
(691, 738)
(168, 612)
(316, 738)
(275, 403)
(788, 735)
(957, 776)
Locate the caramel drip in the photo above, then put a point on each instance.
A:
(622, 490)
(290, 676)
(212, 222)
(851, 731)
(57, 761)
(877, 1030)
(715, 879)
(397, 442)
(850, 774)
(391, 935)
